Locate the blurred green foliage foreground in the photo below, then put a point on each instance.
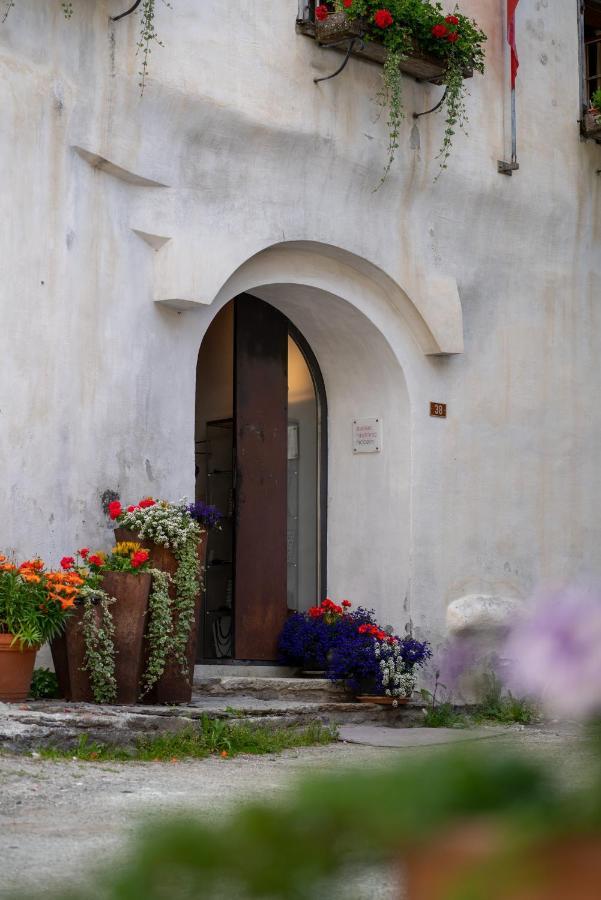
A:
(332, 828)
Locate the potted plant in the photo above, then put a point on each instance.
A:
(591, 124)
(376, 665)
(415, 37)
(105, 638)
(175, 536)
(34, 604)
(308, 637)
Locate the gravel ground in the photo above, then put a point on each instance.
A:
(60, 818)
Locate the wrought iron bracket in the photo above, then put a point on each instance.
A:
(434, 108)
(507, 168)
(127, 12)
(355, 43)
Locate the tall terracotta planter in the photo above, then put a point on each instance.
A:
(129, 618)
(60, 659)
(174, 686)
(131, 591)
(80, 688)
(16, 669)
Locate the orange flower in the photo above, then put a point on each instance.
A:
(30, 577)
(8, 567)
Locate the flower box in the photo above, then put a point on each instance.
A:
(591, 125)
(338, 28)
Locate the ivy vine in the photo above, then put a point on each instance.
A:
(159, 630)
(188, 583)
(147, 36)
(99, 632)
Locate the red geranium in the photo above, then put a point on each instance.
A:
(346, 603)
(452, 20)
(440, 31)
(454, 36)
(347, 3)
(84, 552)
(115, 509)
(67, 562)
(148, 501)
(322, 12)
(382, 18)
(316, 611)
(139, 558)
(96, 560)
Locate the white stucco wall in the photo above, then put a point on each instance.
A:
(234, 150)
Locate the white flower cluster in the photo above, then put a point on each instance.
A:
(398, 680)
(164, 523)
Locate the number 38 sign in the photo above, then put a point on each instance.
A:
(438, 410)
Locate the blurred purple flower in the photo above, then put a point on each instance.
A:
(554, 652)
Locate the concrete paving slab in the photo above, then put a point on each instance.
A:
(380, 736)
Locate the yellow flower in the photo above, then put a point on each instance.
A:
(125, 548)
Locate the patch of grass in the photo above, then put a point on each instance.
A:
(443, 715)
(495, 706)
(210, 736)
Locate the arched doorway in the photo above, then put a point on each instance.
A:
(261, 458)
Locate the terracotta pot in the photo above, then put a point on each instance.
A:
(58, 647)
(131, 592)
(551, 870)
(382, 701)
(16, 669)
(174, 686)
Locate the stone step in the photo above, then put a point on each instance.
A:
(314, 690)
(43, 724)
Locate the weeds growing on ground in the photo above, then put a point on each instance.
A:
(494, 706)
(210, 736)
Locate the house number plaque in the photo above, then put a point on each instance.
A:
(438, 410)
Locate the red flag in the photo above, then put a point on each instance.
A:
(515, 63)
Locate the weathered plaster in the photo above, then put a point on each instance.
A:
(270, 188)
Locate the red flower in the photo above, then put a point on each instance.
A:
(315, 612)
(346, 603)
(132, 508)
(321, 12)
(347, 3)
(454, 36)
(67, 562)
(139, 558)
(84, 552)
(440, 31)
(95, 560)
(115, 509)
(382, 18)
(148, 501)
(452, 20)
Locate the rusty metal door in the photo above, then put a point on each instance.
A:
(261, 430)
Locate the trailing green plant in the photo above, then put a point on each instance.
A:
(159, 629)
(402, 26)
(147, 36)
(44, 685)
(187, 581)
(99, 630)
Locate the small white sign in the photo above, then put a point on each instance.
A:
(367, 435)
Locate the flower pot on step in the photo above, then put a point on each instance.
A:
(60, 659)
(131, 591)
(174, 686)
(16, 669)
